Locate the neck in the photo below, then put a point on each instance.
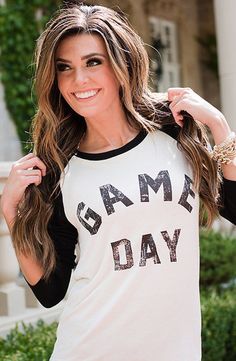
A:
(107, 133)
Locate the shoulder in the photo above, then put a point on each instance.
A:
(171, 130)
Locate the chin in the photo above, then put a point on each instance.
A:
(87, 114)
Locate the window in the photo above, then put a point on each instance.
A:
(165, 64)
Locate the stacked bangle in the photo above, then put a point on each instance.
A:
(225, 152)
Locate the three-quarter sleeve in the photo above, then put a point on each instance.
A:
(64, 236)
(228, 200)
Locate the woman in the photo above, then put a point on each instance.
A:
(121, 177)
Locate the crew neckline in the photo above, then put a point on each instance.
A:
(114, 152)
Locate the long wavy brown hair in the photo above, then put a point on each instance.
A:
(56, 129)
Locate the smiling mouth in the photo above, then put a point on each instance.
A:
(86, 95)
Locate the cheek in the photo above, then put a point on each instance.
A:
(109, 79)
(113, 84)
(62, 85)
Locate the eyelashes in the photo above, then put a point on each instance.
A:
(89, 63)
(93, 62)
(62, 67)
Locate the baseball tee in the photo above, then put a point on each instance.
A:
(127, 221)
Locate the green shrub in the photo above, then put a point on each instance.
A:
(218, 259)
(219, 326)
(231, 340)
(218, 299)
(30, 344)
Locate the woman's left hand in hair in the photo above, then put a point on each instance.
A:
(202, 111)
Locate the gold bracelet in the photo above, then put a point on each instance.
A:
(225, 152)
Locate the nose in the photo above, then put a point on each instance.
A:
(81, 76)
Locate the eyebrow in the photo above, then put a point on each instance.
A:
(82, 58)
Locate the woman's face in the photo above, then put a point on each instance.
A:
(85, 76)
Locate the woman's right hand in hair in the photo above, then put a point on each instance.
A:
(21, 175)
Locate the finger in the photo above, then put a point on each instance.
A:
(30, 172)
(26, 157)
(178, 118)
(173, 92)
(32, 179)
(33, 162)
(176, 108)
(181, 105)
(25, 181)
(175, 101)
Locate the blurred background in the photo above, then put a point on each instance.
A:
(194, 42)
(190, 44)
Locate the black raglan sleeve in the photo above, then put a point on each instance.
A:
(65, 237)
(228, 200)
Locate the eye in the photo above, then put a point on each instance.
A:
(93, 62)
(62, 67)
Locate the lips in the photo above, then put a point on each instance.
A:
(86, 94)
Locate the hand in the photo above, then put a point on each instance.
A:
(186, 99)
(22, 174)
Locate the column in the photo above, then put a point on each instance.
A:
(226, 34)
(10, 148)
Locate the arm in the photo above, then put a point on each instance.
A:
(185, 99)
(62, 232)
(64, 236)
(25, 171)
(220, 130)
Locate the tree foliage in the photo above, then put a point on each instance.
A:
(21, 22)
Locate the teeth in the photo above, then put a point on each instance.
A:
(84, 95)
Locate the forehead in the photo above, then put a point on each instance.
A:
(81, 44)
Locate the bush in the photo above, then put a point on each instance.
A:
(219, 326)
(30, 344)
(218, 301)
(218, 259)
